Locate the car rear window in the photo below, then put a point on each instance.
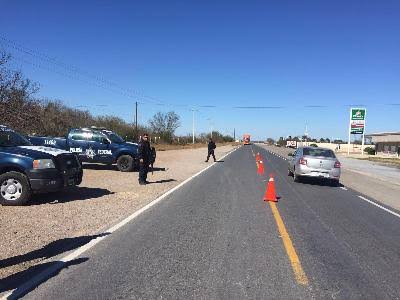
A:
(319, 152)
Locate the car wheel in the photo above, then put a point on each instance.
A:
(335, 182)
(14, 188)
(80, 177)
(125, 163)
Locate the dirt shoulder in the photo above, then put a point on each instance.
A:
(166, 147)
(388, 161)
(367, 183)
(52, 222)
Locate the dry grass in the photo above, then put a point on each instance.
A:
(389, 160)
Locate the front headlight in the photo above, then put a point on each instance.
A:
(43, 164)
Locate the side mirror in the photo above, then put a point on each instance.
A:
(106, 142)
(290, 154)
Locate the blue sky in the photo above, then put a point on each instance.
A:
(184, 54)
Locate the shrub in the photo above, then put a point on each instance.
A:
(313, 145)
(369, 150)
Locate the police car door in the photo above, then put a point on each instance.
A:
(78, 143)
(101, 148)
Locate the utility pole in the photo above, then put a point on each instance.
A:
(306, 133)
(234, 134)
(136, 129)
(193, 126)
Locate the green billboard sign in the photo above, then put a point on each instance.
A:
(357, 125)
(357, 120)
(358, 114)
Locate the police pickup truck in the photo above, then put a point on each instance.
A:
(25, 169)
(95, 145)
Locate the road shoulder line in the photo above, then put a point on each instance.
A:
(380, 206)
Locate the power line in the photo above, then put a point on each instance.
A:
(75, 73)
(101, 81)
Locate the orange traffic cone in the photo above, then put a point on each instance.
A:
(270, 194)
(260, 169)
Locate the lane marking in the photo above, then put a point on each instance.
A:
(300, 275)
(46, 274)
(380, 206)
(343, 188)
(252, 151)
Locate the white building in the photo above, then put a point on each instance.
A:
(386, 143)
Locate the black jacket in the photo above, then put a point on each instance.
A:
(145, 152)
(211, 146)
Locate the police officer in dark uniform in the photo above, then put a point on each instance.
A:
(145, 158)
(211, 147)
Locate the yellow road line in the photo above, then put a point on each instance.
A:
(301, 277)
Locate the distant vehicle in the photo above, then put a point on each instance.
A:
(314, 162)
(25, 169)
(291, 144)
(246, 139)
(96, 145)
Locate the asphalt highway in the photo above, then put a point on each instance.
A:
(215, 238)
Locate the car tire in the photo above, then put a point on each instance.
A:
(80, 177)
(335, 183)
(14, 189)
(125, 163)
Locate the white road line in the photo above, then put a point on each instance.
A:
(59, 264)
(380, 206)
(343, 188)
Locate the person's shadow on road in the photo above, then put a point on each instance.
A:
(50, 250)
(53, 249)
(14, 282)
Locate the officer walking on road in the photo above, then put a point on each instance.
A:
(211, 147)
(145, 155)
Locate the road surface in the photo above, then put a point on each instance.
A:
(215, 238)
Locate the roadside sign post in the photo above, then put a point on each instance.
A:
(363, 135)
(357, 125)
(348, 141)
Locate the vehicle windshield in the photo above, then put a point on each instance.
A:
(10, 138)
(319, 152)
(115, 138)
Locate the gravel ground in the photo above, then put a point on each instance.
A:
(43, 229)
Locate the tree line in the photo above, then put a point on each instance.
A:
(23, 111)
(282, 141)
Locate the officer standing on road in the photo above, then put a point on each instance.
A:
(144, 159)
(211, 147)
